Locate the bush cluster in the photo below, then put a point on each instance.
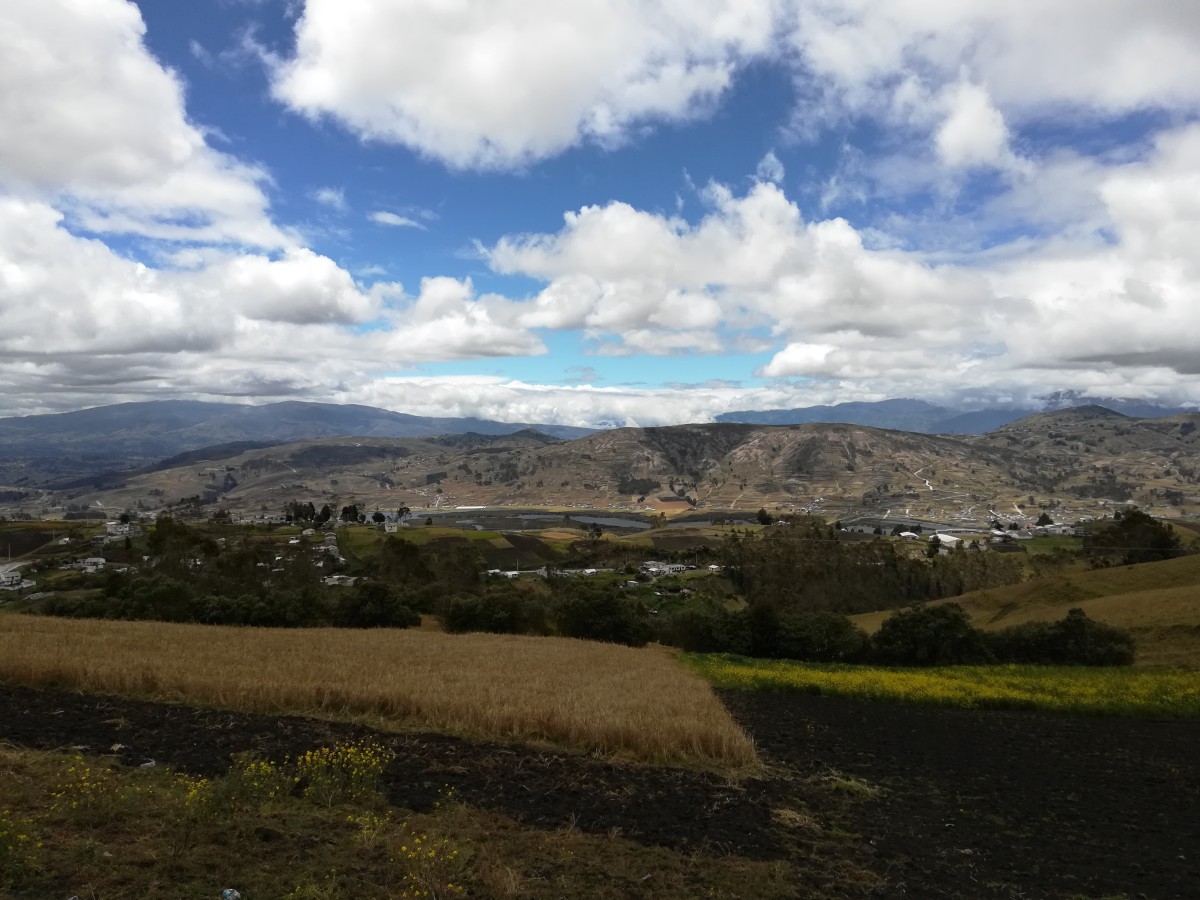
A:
(569, 609)
(761, 631)
(1075, 640)
(163, 598)
(807, 565)
(943, 635)
(921, 636)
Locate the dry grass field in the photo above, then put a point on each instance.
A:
(1158, 602)
(617, 700)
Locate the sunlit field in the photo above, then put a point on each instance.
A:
(613, 699)
(1115, 691)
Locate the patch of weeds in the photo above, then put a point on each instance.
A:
(252, 783)
(856, 788)
(373, 828)
(424, 865)
(791, 818)
(345, 772)
(429, 864)
(331, 887)
(20, 846)
(186, 837)
(91, 793)
(192, 801)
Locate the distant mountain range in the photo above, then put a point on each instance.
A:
(42, 449)
(928, 418)
(1077, 461)
(56, 450)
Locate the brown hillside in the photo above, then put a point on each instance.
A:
(1075, 462)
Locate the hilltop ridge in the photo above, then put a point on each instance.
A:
(1076, 459)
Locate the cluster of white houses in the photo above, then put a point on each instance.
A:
(655, 568)
(116, 532)
(12, 581)
(951, 536)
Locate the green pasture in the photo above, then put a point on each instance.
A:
(1109, 691)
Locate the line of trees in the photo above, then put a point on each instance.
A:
(804, 566)
(939, 635)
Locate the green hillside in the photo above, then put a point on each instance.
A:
(1158, 602)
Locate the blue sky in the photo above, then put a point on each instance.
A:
(612, 211)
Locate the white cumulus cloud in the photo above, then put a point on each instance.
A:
(507, 82)
(92, 119)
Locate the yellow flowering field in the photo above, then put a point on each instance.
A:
(1113, 691)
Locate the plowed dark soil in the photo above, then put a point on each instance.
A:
(970, 804)
(678, 808)
(977, 803)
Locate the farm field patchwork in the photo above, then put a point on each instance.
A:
(1115, 691)
(601, 697)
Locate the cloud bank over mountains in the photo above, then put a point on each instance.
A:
(1014, 210)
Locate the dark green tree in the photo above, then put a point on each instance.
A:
(930, 636)
(1133, 537)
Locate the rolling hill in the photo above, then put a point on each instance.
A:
(1075, 462)
(1091, 452)
(928, 418)
(44, 449)
(1158, 602)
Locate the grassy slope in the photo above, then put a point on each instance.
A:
(146, 833)
(1159, 602)
(1117, 691)
(499, 550)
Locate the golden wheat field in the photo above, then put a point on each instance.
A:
(617, 700)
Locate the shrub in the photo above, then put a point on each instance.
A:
(930, 636)
(761, 631)
(693, 630)
(820, 637)
(1031, 642)
(499, 609)
(602, 616)
(1133, 537)
(1073, 641)
(19, 845)
(371, 604)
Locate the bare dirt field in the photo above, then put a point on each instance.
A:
(989, 803)
(934, 803)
